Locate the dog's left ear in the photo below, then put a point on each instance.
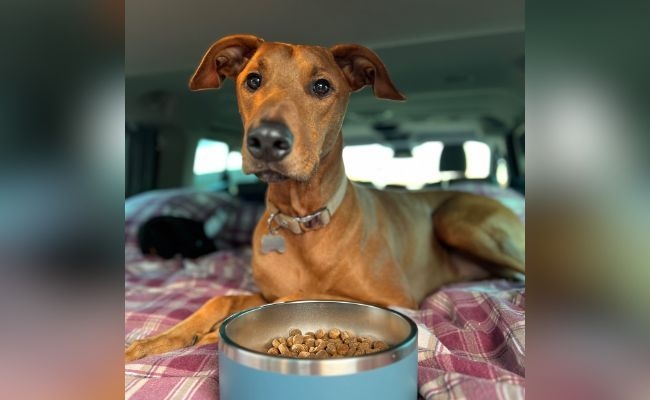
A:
(362, 67)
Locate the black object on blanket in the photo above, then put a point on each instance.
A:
(167, 236)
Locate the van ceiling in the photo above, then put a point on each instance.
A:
(459, 62)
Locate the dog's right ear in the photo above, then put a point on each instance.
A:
(224, 59)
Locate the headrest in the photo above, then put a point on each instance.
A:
(453, 158)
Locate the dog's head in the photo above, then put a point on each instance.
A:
(292, 98)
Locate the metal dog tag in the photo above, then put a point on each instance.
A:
(272, 242)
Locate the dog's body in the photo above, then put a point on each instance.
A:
(323, 237)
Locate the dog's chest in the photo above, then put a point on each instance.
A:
(296, 270)
(282, 274)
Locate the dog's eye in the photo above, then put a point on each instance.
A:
(253, 81)
(321, 87)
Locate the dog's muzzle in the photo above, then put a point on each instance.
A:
(270, 141)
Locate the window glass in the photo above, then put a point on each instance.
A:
(478, 156)
(502, 174)
(234, 161)
(211, 157)
(377, 164)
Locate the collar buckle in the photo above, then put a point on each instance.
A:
(316, 220)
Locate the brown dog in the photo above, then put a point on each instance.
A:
(323, 237)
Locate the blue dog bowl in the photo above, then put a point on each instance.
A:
(246, 372)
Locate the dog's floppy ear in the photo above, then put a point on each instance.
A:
(362, 67)
(225, 58)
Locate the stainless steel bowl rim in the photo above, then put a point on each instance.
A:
(319, 367)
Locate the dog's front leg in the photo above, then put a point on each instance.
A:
(199, 328)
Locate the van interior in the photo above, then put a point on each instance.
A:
(461, 67)
(190, 211)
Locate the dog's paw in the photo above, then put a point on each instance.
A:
(156, 345)
(136, 350)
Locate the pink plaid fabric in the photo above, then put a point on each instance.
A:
(471, 336)
(160, 294)
(471, 340)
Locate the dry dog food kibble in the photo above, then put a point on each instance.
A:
(333, 343)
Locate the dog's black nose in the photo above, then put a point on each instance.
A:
(270, 141)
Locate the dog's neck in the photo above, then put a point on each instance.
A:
(296, 198)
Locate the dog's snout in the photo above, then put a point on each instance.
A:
(270, 141)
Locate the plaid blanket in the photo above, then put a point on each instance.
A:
(471, 339)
